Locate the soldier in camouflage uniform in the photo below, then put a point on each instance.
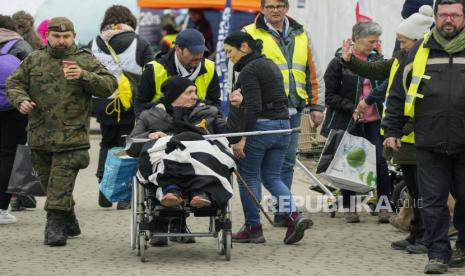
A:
(54, 85)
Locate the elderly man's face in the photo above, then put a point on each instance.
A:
(450, 19)
(188, 98)
(60, 40)
(274, 11)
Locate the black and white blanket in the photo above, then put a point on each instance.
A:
(204, 165)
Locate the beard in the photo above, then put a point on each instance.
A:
(449, 35)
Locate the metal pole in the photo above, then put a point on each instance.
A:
(130, 141)
(316, 180)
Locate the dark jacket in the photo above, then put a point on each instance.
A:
(439, 122)
(147, 84)
(21, 49)
(378, 70)
(343, 89)
(144, 54)
(165, 119)
(262, 87)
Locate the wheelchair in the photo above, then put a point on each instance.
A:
(146, 212)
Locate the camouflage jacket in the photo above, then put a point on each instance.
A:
(61, 118)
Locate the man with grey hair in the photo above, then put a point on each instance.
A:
(290, 47)
(428, 88)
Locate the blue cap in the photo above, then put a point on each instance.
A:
(191, 39)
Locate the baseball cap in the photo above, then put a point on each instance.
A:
(191, 39)
(60, 24)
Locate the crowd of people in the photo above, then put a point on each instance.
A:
(410, 107)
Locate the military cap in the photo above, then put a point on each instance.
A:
(60, 24)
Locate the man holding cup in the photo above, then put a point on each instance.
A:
(54, 86)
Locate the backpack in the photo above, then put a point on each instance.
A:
(8, 64)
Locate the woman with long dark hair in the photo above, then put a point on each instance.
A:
(264, 107)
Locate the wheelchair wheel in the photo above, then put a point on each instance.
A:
(134, 202)
(227, 243)
(142, 245)
(220, 242)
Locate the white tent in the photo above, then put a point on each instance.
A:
(331, 21)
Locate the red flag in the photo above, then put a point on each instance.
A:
(362, 12)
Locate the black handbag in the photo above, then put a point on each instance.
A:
(24, 179)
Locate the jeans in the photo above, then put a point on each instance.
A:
(12, 133)
(438, 175)
(264, 155)
(383, 184)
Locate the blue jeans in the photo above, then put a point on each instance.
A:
(264, 155)
(287, 172)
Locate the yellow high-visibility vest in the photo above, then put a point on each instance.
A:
(201, 82)
(169, 39)
(299, 59)
(410, 138)
(418, 73)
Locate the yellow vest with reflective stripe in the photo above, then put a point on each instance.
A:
(169, 39)
(299, 59)
(418, 73)
(394, 67)
(201, 82)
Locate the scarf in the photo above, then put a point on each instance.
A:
(183, 72)
(452, 46)
(111, 30)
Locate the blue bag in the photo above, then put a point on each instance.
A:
(119, 171)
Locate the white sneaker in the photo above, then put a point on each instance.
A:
(6, 217)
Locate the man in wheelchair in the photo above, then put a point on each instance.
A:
(179, 113)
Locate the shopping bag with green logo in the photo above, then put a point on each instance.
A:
(353, 167)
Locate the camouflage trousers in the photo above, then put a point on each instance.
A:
(57, 173)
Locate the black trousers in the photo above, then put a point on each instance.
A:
(111, 137)
(438, 175)
(12, 132)
(417, 228)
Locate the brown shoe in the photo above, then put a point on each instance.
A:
(200, 200)
(384, 216)
(351, 217)
(399, 223)
(171, 199)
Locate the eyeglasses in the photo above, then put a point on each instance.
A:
(272, 8)
(452, 16)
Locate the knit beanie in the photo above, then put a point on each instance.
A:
(418, 24)
(173, 87)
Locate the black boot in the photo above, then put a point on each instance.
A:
(55, 228)
(103, 201)
(72, 228)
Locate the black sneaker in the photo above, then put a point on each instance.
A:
(400, 245)
(458, 258)
(436, 266)
(123, 205)
(200, 200)
(158, 241)
(416, 248)
(103, 201)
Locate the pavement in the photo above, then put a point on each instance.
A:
(331, 247)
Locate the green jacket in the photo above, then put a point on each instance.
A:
(372, 70)
(61, 118)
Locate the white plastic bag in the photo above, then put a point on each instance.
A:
(353, 167)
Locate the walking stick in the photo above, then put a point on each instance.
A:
(247, 188)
